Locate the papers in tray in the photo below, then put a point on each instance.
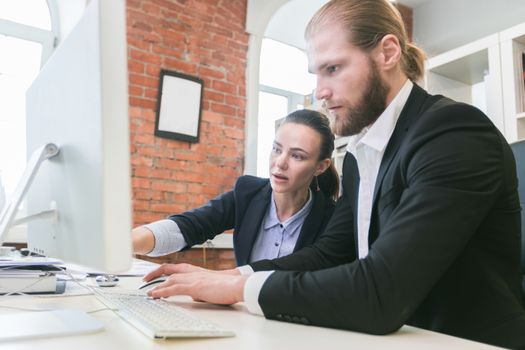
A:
(139, 268)
(8, 261)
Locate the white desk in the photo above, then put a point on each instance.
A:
(252, 332)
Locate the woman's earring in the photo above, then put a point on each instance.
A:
(317, 185)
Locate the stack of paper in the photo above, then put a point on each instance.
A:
(28, 275)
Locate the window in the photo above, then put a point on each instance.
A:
(284, 85)
(26, 40)
(17, 12)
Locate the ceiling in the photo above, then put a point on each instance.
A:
(288, 23)
(411, 3)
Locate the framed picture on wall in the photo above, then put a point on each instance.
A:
(179, 106)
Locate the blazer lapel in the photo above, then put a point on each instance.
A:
(410, 112)
(350, 183)
(251, 223)
(312, 223)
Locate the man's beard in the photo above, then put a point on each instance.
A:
(368, 108)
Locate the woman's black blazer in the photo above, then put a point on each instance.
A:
(242, 209)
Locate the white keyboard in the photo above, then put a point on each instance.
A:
(157, 318)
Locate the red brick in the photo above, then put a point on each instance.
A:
(230, 152)
(224, 87)
(141, 218)
(151, 9)
(213, 96)
(142, 102)
(141, 172)
(148, 194)
(161, 174)
(171, 164)
(169, 51)
(223, 108)
(210, 72)
(169, 187)
(175, 34)
(136, 66)
(165, 208)
(151, 94)
(141, 205)
(143, 80)
(134, 112)
(234, 133)
(137, 160)
(153, 71)
(135, 90)
(189, 177)
(154, 152)
(238, 102)
(144, 57)
(140, 182)
(137, 43)
(212, 117)
(143, 139)
(241, 113)
(191, 156)
(234, 122)
(179, 66)
(216, 150)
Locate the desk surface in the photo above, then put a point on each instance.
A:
(252, 332)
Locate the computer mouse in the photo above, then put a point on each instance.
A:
(107, 280)
(153, 282)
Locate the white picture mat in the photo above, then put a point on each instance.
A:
(180, 106)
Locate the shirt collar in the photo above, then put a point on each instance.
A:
(378, 134)
(272, 219)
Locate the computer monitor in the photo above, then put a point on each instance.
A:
(79, 101)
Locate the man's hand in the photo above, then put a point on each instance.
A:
(169, 269)
(208, 286)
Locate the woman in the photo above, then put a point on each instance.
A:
(270, 217)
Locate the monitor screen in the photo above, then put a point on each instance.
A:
(79, 101)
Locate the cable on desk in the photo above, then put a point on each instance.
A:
(103, 309)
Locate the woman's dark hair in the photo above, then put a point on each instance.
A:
(329, 180)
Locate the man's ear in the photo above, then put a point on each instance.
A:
(388, 52)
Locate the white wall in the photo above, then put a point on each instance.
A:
(441, 25)
(69, 12)
(288, 23)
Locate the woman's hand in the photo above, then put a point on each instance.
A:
(169, 269)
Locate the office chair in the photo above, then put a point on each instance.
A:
(519, 154)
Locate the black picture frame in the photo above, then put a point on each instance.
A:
(179, 106)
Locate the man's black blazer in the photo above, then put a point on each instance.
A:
(243, 210)
(444, 237)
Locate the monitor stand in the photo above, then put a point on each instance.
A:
(7, 216)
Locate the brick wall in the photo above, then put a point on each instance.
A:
(203, 38)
